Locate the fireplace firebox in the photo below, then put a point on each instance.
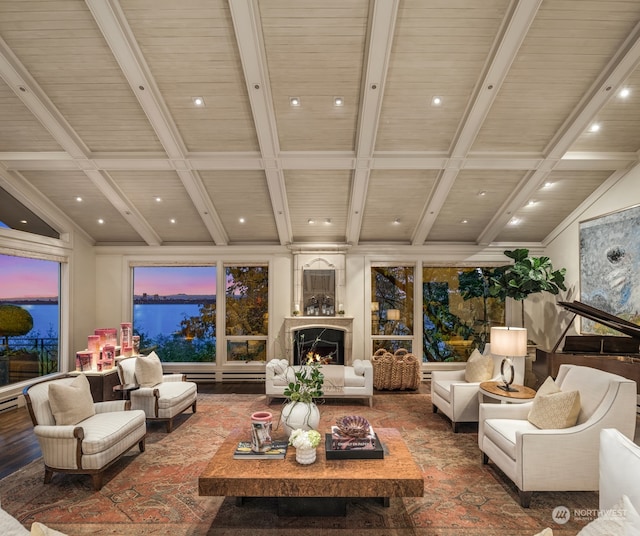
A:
(328, 343)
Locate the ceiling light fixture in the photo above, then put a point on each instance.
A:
(294, 101)
(595, 127)
(100, 221)
(198, 101)
(436, 101)
(531, 203)
(172, 220)
(624, 93)
(327, 221)
(547, 185)
(338, 101)
(241, 220)
(23, 222)
(79, 199)
(396, 221)
(514, 221)
(158, 199)
(311, 221)
(482, 193)
(464, 221)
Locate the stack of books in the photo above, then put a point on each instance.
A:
(341, 447)
(277, 451)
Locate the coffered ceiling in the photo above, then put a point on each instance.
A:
(97, 103)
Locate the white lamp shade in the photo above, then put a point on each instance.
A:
(393, 314)
(509, 341)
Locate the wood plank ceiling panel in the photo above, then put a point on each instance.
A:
(173, 217)
(619, 123)
(567, 47)
(63, 187)
(552, 204)
(439, 49)
(395, 195)
(191, 51)
(315, 52)
(242, 194)
(19, 130)
(474, 200)
(318, 196)
(60, 44)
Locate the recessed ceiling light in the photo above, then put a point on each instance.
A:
(396, 221)
(482, 193)
(172, 220)
(327, 221)
(464, 221)
(100, 221)
(198, 101)
(514, 221)
(79, 199)
(548, 184)
(23, 222)
(311, 221)
(624, 92)
(294, 101)
(338, 101)
(531, 203)
(436, 101)
(158, 199)
(241, 220)
(594, 127)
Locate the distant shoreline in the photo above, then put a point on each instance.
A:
(160, 300)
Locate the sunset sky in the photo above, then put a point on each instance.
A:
(27, 278)
(174, 280)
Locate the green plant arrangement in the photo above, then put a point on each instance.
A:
(308, 381)
(526, 276)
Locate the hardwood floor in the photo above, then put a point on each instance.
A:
(19, 445)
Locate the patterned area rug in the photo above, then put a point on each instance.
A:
(156, 493)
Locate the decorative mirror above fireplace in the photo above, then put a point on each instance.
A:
(319, 292)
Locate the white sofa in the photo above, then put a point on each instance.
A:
(564, 459)
(357, 379)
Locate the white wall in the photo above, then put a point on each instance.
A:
(563, 250)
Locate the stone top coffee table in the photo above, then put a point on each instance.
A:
(397, 475)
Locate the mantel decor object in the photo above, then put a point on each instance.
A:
(508, 342)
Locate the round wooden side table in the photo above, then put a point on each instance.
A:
(491, 390)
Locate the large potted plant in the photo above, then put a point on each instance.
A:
(300, 411)
(527, 275)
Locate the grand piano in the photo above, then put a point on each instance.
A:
(617, 354)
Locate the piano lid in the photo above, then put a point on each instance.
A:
(597, 315)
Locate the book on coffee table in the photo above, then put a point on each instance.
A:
(362, 450)
(277, 451)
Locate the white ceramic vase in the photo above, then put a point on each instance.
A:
(305, 456)
(304, 415)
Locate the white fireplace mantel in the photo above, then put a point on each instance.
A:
(295, 323)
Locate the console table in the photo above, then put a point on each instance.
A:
(397, 475)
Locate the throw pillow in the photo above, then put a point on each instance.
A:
(358, 367)
(71, 403)
(555, 410)
(479, 367)
(38, 529)
(548, 387)
(148, 370)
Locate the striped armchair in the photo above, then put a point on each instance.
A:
(89, 446)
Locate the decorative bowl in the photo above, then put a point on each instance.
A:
(353, 426)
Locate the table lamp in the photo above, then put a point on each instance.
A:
(508, 342)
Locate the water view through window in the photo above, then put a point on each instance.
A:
(29, 318)
(174, 311)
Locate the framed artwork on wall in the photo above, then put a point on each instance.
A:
(609, 266)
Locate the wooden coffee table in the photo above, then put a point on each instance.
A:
(397, 475)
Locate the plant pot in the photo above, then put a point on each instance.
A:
(304, 415)
(305, 456)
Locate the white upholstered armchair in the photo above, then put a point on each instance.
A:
(160, 396)
(457, 398)
(564, 459)
(77, 435)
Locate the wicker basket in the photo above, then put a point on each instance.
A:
(395, 372)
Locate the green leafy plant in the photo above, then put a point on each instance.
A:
(308, 381)
(527, 275)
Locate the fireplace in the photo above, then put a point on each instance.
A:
(326, 342)
(335, 333)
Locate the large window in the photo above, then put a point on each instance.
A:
(247, 313)
(392, 307)
(174, 311)
(457, 312)
(29, 318)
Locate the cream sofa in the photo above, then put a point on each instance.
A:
(356, 380)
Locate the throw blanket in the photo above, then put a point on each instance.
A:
(333, 379)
